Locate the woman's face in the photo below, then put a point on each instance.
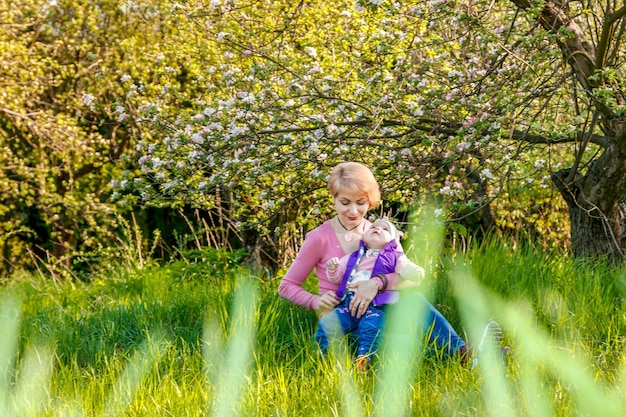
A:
(351, 208)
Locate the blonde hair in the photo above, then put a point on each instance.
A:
(353, 177)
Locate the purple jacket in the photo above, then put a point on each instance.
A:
(385, 264)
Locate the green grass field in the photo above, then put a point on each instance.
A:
(202, 338)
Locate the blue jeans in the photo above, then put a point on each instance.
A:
(339, 322)
(441, 334)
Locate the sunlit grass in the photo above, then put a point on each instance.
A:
(188, 340)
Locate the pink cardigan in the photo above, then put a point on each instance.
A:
(320, 244)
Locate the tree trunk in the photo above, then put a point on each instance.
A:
(62, 240)
(596, 201)
(595, 235)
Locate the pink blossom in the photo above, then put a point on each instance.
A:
(470, 121)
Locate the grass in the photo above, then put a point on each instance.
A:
(194, 339)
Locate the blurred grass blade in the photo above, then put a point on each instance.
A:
(425, 233)
(31, 391)
(213, 349)
(135, 372)
(340, 360)
(400, 358)
(536, 350)
(234, 370)
(351, 398)
(474, 305)
(28, 395)
(403, 346)
(532, 387)
(10, 316)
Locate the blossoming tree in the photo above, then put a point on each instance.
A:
(469, 100)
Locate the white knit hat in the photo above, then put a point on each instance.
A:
(395, 234)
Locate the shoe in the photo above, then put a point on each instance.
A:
(491, 336)
(362, 363)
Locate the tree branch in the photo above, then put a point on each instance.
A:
(607, 33)
(434, 127)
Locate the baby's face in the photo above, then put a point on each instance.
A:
(378, 235)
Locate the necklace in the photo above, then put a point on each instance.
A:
(348, 235)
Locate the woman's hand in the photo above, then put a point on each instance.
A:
(364, 293)
(328, 301)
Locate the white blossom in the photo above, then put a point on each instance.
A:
(246, 97)
(463, 146)
(238, 130)
(358, 7)
(88, 100)
(156, 162)
(197, 138)
(446, 190)
(486, 174)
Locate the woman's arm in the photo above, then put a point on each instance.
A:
(290, 287)
(310, 255)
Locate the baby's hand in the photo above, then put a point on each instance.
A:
(332, 264)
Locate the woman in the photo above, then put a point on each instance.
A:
(354, 191)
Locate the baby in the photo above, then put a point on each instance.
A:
(378, 255)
